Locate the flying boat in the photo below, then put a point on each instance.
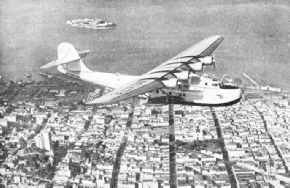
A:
(178, 79)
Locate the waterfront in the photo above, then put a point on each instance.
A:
(148, 33)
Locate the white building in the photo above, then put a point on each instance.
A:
(4, 122)
(43, 140)
(10, 118)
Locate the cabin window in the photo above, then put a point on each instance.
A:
(180, 95)
(170, 93)
(215, 84)
(205, 83)
(184, 95)
(157, 91)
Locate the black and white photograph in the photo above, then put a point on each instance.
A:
(145, 94)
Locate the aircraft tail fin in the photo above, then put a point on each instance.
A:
(69, 59)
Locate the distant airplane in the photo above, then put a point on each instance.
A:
(176, 77)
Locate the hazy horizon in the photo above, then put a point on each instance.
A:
(147, 34)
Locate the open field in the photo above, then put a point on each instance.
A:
(148, 32)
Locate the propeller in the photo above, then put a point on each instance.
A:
(243, 89)
(213, 62)
(237, 81)
(212, 75)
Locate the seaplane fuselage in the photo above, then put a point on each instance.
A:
(199, 91)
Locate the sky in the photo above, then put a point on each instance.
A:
(148, 33)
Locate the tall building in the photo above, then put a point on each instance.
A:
(43, 140)
(46, 136)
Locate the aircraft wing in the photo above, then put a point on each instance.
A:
(152, 80)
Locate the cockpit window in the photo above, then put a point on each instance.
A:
(223, 86)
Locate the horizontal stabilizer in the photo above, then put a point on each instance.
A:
(49, 65)
(83, 53)
(66, 53)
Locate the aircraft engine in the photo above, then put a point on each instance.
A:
(182, 75)
(170, 83)
(207, 60)
(198, 66)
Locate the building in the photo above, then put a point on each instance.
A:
(43, 140)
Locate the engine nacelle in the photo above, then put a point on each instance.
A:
(198, 66)
(171, 83)
(182, 75)
(207, 60)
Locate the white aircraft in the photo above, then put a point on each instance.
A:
(176, 77)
